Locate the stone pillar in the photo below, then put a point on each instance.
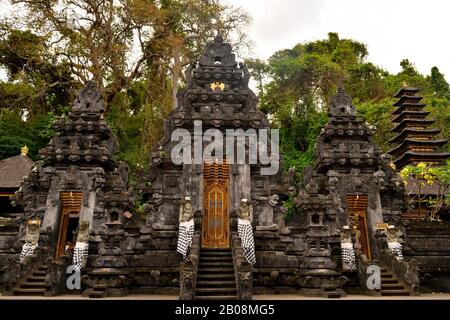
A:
(87, 213)
(240, 186)
(374, 216)
(52, 210)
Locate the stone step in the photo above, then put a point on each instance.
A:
(97, 292)
(215, 253)
(216, 263)
(215, 291)
(389, 280)
(389, 286)
(229, 297)
(387, 275)
(215, 270)
(333, 294)
(28, 292)
(215, 258)
(42, 269)
(394, 292)
(37, 285)
(215, 276)
(39, 273)
(36, 279)
(211, 283)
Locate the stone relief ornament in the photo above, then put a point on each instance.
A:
(347, 251)
(31, 239)
(186, 227)
(245, 231)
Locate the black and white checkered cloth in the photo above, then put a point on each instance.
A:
(185, 235)
(348, 256)
(245, 232)
(27, 250)
(80, 255)
(396, 249)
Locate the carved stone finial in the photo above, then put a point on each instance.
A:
(218, 54)
(89, 99)
(218, 37)
(341, 104)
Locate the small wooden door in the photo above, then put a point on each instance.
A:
(70, 213)
(357, 205)
(216, 225)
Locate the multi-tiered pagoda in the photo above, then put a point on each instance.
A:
(415, 141)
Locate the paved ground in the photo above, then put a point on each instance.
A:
(437, 296)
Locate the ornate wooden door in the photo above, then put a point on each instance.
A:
(216, 225)
(357, 205)
(70, 207)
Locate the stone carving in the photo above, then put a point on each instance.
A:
(186, 210)
(341, 105)
(393, 241)
(31, 239)
(89, 99)
(347, 251)
(186, 228)
(245, 231)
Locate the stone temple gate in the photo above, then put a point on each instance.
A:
(214, 227)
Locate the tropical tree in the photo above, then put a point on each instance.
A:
(426, 174)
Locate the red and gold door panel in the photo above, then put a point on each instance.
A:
(70, 214)
(216, 225)
(356, 206)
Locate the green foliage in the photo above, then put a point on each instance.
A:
(290, 207)
(438, 84)
(303, 78)
(378, 115)
(127, 122)
(425, 174)
(35, 133)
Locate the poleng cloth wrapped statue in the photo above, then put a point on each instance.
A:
(31, 239)
(347, 251)
(80, 252)
(186, 228)
(245, 231)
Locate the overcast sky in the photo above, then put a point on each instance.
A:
(392, 29)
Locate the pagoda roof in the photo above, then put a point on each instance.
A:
(13, 170)
(411, 122)
(414, 156)
(402, 91)
(416, 132)
(408, 142)
(408, 106)
(407, 100)
(411, 114)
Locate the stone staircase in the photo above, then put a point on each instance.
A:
(215, 276)
(33, 285)
(391, 285)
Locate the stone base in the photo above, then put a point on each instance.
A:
(101, 292)
(322, 292)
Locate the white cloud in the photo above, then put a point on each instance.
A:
(393, 30)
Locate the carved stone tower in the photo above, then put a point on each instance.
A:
(216, 102)
(78, 181)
